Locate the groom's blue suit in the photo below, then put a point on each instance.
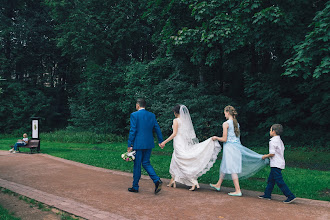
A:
(141, 138)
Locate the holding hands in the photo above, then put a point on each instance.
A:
(162, 145)
(214, 138)
(267, 155)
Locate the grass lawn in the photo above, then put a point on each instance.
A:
(307, 175)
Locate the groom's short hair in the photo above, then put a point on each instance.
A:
(142, 103)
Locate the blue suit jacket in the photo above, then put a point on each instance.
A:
(143, 123)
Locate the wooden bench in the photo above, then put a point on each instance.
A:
(34, 146)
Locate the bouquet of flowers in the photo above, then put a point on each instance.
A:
(128, 156)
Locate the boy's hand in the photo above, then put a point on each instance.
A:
(264, 157)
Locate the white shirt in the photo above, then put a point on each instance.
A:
(276, 147)
(23, 141)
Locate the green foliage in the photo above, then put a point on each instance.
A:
(85, 62)
(32, 67)
(311, 56)
(1, 85)
(18, 103)
(301, 106)
(98, 31)
(97, 107)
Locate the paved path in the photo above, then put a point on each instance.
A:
(97, 193)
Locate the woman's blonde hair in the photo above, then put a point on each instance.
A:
(232, 111)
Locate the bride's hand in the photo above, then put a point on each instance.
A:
(162, 145)
(214, 138)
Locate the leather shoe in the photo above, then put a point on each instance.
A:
(133, 190)
(158, 186)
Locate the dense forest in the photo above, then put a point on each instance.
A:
(81, 64)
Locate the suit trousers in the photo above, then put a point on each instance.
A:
(275, 176)
(143, 157)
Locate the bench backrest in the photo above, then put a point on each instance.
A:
(33, 143)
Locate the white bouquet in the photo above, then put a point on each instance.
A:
(128, 156)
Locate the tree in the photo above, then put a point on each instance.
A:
(311, 56)
(30, 60)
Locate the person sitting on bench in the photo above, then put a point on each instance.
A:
(20, 142)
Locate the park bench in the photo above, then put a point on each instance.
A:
(34, 146)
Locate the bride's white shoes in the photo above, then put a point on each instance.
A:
(172, 184)
(194, 187)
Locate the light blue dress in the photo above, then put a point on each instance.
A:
(237, 159)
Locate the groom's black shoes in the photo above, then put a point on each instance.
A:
(133, 190)
(158, 186)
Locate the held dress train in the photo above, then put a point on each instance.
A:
(191, 159)
(237, 159)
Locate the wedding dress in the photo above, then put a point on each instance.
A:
(191, 159)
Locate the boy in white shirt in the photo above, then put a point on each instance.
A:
(277, 164)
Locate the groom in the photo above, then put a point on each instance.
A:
(142, 141)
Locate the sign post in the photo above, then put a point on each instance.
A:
(35, 140)
(35, 128)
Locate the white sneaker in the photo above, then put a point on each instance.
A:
(14, 152)
(11, 150)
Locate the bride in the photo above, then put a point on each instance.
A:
(190, 159)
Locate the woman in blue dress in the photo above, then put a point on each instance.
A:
(237, 161)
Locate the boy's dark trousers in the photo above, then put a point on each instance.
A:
(275, 176)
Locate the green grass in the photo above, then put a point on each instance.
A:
(5, 215)
(67, 136)
(307, 175)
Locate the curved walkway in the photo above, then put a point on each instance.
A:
(97, 193)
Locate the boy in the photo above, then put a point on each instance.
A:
(277, 164)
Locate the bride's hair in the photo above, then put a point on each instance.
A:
(232, 111)
(176, 109)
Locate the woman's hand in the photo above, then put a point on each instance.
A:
(214, 138)
(162, 145)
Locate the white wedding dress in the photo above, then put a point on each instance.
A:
(191, 159)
